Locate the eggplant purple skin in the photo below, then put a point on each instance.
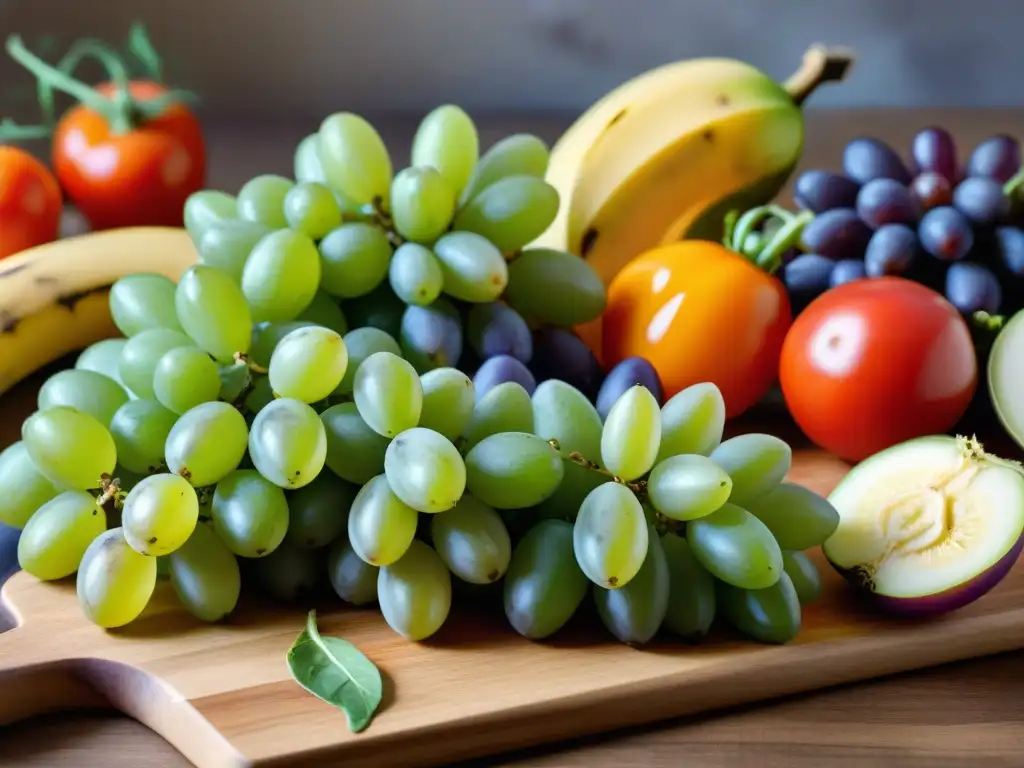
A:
(942, 602)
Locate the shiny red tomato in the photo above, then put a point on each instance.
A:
(139, 174)
(875, 362)
(30, 202)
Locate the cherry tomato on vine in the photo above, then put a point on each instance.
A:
(30, 202)
(699, 312)
(875, 362)
(130, 152)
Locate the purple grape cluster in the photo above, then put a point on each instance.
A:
(952, 227)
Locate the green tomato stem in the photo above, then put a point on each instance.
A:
(788, 235)
(142, 49)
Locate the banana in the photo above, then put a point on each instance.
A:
(665, 156)
(54, 297)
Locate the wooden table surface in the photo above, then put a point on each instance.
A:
(968, 715)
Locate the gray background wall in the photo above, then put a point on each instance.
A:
(271, 59)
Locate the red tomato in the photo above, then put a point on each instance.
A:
(875, 362)
(136, 177)
(30, 202)
(699, 312)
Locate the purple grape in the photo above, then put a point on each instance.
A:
(865, 160)
(846, 271)
(891, 251)
(946, 233)
(431, 337)
(884, 201)
(836, 234)
(380, 308)
(628, 373)
(995, 158)
(934, 150)
(932, 190)
(560, 354)
(1009, 243)
(821, 191)
(972, 288)
(981, 200)
(497, 370)
(808, 275)
(497, 329)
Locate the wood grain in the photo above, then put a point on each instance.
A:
(968, 714)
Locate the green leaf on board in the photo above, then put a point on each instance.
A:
(336, 671)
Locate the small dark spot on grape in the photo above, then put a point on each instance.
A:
(260, 552)
(152, 540)
(493, 576)
(95, 512)
(613, 581)
(722, 484)
(298, 472)
(587, 241)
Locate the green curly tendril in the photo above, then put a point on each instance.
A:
(780, 231)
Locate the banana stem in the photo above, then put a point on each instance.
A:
(821, 64)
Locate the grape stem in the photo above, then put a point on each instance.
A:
(242, 359)
(639, 487)
(121, 110)
(110, 490)
(768, 254)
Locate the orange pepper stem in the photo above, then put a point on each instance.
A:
(763, 248)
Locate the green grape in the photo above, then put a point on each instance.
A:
(288, 443)
(354, 259)
(736, 548)
(422, 204)
(379, 308)
(633, 613)
(520, 154)
(554, 288)
(213, 311)
(184, 378)
(803, 574)
(388, 393)
(54, 540)
(473, 541)
(631, 434)
(70, 448)
(472, 268)
(310, 207)
(380, 525)
(692, 421)
(159, 514)
(360, 344)
(511, 212)
(513, 470)
(415, 274)
(143, 301)
(354, 158)
(260, 396)
(235, 379)
(544, 584)
(318, 513)
(266, 336)
(250, 513)
(687, 487)
(141, 355)
(281, 275)
(610, 535)
(691, 591)
(798, 517)
(757, 464)
(564, 414)
(25, 488)
(354, 451)
(163, 567)
(140, 429)
(308, 364)
(86, 391)
(415, 592)
(354, 580)
(114, 581)
(447, 140)
(205, 575)
(307, 165)
(289, 573)
(448, 401)
(206, 443)
(769, 615)
(227, 244)
(577, 483)
(103, 357)
(261, 199)
(324, 310)
(205, 208)
(425, 470)
(504, 408)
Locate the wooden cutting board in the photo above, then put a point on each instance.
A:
(223, 696)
